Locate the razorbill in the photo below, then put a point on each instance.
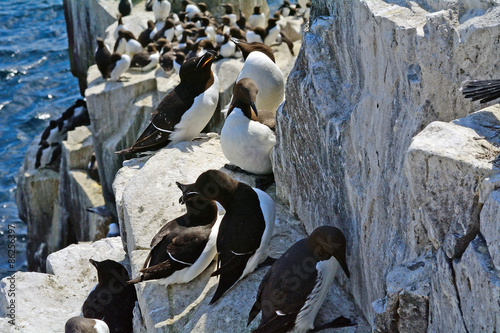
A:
(119, 65)
(247, 137)
(102, 58)
(184, 247)
(481, 90)
(260, 66)
(147, 35)
(161, 10)
(125, 7)
(257, 19)
(85, 325)
(245, 229)
(146, 60)
(294, 288)
(113, 299)
(184, 111)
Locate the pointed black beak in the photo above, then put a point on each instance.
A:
(93, 262)
(207, 59)
(254, 108)
(188, 192)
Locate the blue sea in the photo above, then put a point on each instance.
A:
(36, 86)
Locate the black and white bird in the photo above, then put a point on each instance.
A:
(481, 90)
(132, 46)
(113, 299)
(228, 11)
(125, 7)
(190, 8)
(119, 26)
(273, 31)
(245, 229)
(85, 325)
(148, 34)
(296, 285)
(161, 9)
(48, 155)
(261, 67)
(102, 58)
(247, 138)
(120, 43)
(167, 31)
(120, 63)
(186, 110)
(257, 19)
(146, 60)
(184, 247)
(227, 48)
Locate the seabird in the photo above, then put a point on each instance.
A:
(102, 58)
(247, 137)
(125, 7)
(146, 60)
(85, 325)
(184, 111)
(257, 19)
(147, 35)
(295, 287)
(184, 247)
(119, 65)
(112, 300)
(245, 229)
(260, 66)
(161, 10)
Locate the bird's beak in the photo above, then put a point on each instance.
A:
(93, 262)
(207, 58)
(254, 108)
(188, 192)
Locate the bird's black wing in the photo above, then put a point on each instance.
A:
(166, 115)
(482, 90)
(140, 59)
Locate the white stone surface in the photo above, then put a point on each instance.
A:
(44, 302)
(369, 77)
(490, 226)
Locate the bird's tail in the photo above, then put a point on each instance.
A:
(482, 90)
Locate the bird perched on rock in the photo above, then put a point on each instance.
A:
(120, 43)
(228, 11)
(245, 229)
(227, 48)
(257, 19)
(119, 65)
(256, 35)
(113, 299)
(190, 8)
(146, 60)
(102, 58)
(125, 7)
(295, 287)
(48, 155)
(119, 26)
(260, 66)
(184, 111)
(481, 90)
(167, 31)
(85, 325)
(132, 46)
(147, 35)
(247, 137)
(183, 247)
(161, 9)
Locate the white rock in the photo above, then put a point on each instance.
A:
(489, 226)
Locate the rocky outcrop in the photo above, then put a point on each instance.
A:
(44, 302)
(184, 307)
(369, 77)
(54, 202)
